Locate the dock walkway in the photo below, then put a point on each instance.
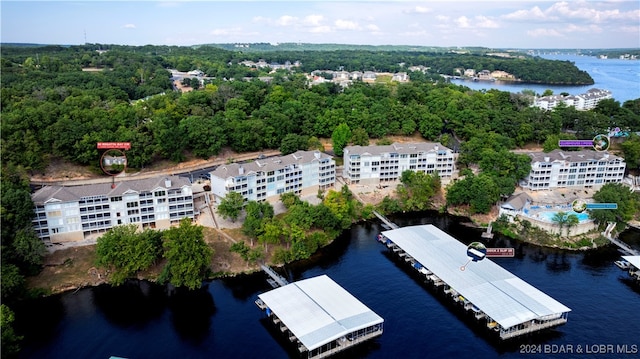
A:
(623, 246)
(385, 220)
(276, 280)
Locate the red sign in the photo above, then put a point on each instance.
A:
(114, 145)
(500, 252)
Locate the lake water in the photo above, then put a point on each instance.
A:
(142, 320)
(621, 77)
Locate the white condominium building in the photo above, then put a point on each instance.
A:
(77, 213)
(376, 164)
(303, 173)
(583, 102)
(586, 168)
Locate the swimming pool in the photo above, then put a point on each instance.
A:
(548, 215)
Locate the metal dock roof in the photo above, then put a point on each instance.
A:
(634, 260)
(501, 295)
(318, 310)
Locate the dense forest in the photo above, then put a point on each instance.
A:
(46, 93)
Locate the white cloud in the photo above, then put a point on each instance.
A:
(485, 22)
(534, 14)
(129, 26)
(442, 18)
(346, 25)
(543, 32)
(576, 10)
(286, 20)
(463, 22)
(313, 20)
(418, 10)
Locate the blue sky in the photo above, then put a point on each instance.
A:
(498, 24)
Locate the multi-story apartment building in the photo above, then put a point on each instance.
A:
(77, 213)
(586, 168)
(582, 102)
(302, 172)
(376, 164)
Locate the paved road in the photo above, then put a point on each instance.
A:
(178, 170)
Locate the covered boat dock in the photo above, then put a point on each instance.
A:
(634, 266)
(510, 306)
(320, 316)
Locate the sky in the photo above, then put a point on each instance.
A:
(579, 24)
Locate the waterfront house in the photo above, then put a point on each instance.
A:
(377, 164)
(579, 169)
(79, 213)
(302, 172)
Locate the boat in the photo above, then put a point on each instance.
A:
(622, 264)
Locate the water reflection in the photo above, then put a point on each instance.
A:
(559, 262)
(191, 312)
(132, 304)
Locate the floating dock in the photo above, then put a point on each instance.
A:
(319, 316)
(509, 306)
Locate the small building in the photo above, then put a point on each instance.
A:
(515, 204)
(319, 316)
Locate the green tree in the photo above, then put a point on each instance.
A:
(293, 142)
(30, 250)
(572, 221)
(340, 138)
(560, 218)
(231, 205)
(13, 283)
(628, 203)
(10, 340)
(631, 151)
(188, 255)
(257, 214)
(126, 252)
(417, 190)
(360, 137)
(271, 234)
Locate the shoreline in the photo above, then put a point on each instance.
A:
(99, 276)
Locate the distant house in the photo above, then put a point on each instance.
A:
(356, 75)
(369, 76)
(400, 77)
(582, 102)
(196, 73)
